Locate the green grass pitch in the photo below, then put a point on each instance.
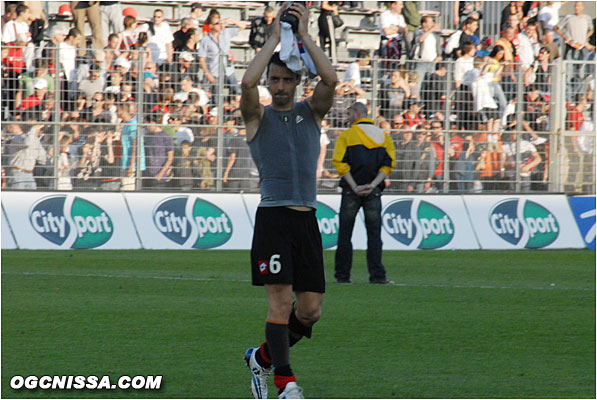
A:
(458, 324)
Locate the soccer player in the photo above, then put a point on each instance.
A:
(286, 253)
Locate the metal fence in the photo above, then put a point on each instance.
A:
(129, 123)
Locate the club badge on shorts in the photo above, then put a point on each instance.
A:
(263, 267)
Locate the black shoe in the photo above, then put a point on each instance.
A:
(383, 282)
(344, 281)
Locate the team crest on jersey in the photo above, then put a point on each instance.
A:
(263, 267)
(299, 119)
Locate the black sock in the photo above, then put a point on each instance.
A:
(276, 335)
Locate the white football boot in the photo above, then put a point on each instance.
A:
(291, 391)
(259, 375)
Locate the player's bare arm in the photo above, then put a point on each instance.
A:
(250, 107)
(323, 95)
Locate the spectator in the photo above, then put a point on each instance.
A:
(88, 11)
(466, 34)
(413, 116)
(183, 170)
(394, 95)
(40, 88)
(426, 48)
(96, 112)
(412, 18)
(181, 133)
(206, 157)
(261, 29)
(353, 72)
(549, 15)
(25, 80)
(575, 120)
(433, 90)
(129, 35)
(464, 9)
(159, 153)
(575, 30)
(182, 34)
(529, 158)
(160, 39)
(540, 72)
(93, 84)
(64, 165)
(492, 71)
(68, 56)
(20, 24)
(392, 30)
(464, 63)
(128, 139)
(513, 9)
(326, 27)
(150, 95)
(10, 14)
(27, 151)
(405, 162)
(215, 45)
(547, 40)
(464, 165)
(237, 173)
(196, 13)
(185, 67)
(112, 50)
(191, 43)
(528, 45)
(508, 73)
(111, 15)
(424, 164)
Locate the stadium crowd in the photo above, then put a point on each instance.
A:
(139, 104)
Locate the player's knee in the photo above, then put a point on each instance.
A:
(309, 317)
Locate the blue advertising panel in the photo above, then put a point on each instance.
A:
(583, 208)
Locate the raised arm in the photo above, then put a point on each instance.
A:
(323, 95)
(250, 107)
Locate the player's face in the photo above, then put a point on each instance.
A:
(282, 85)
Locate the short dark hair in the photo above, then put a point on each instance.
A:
(275, 59)
(363, 54)
(21, 8)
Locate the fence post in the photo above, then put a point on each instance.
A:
(220, 103)
(374, 83)
(556, 126)
(57, 106)
(447, 112)
(139, 113)
(519, 108)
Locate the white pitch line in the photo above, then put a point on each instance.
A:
(186, 278)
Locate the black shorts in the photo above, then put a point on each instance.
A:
(287, 249)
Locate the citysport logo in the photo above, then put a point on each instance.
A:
(186, 220)
(328, 222)
(417, 224)
(520, 221)
(71, 222)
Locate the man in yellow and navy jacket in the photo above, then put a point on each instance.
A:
(364, 155)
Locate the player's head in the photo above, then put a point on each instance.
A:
(356, 111)
(282, 82)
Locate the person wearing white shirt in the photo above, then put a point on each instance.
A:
(464, 63)
(528, 47)
(161, 38)
(16, 26)
(68, 54)
(426, 49)
(392, 25)
(549, 15)
(353, 72)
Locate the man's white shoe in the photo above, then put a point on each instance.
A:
(259, 375)
(291, 391)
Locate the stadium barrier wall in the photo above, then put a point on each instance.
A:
(50, 220)
(523, 222)
(584, 210)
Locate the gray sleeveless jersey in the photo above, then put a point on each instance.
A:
(285, 149)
